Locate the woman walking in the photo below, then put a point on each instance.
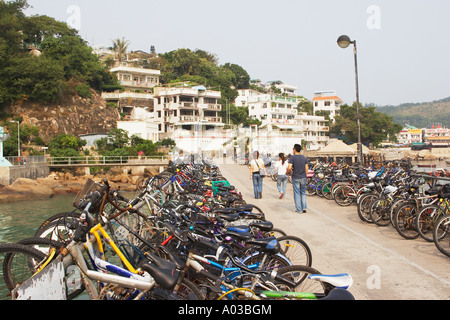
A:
(281, 165)
(255, 174)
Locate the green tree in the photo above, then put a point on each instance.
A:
(305, 106)
(66, 145)
(120, 47)
(241, 77)
(67, 141)
(116, 139)
(66, 60)
(375, 126)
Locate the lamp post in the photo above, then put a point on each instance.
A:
(18, 136)
(343, 42)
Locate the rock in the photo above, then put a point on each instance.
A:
(25, 189)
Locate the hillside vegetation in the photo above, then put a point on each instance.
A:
(420, 115)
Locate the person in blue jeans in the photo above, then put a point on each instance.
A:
(281, 165)
(298, 166)
(255, 165)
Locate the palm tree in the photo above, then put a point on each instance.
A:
(120, 47)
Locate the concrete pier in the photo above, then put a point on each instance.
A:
(384, 266)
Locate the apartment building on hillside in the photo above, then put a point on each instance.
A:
(327, 101)
(270, 109)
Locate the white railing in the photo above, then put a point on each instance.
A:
(105, 160)
(124, 95)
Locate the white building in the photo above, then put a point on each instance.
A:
(282, 126)
(327, 101)
(268, 108)
(285, 89)
(136, 78)
(314, 130)
(190, 116)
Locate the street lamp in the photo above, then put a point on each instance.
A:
(343, 42)
(18, 136)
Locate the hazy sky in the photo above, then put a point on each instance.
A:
(403, 45)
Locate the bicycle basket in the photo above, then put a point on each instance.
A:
(84, 195)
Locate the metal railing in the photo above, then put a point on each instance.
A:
(26, 160)
(105, 160)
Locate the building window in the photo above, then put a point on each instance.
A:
(327, 103)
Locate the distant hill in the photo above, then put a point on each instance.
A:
(420, 115)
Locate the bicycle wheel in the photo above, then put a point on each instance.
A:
(20, 262)
(275, 232)
(342, 196)
(426, 220)
(299, 274)
(319, 187)
(296, 250)
(63, 217)
(441, 235)
(310, 187)
(327, 191)
(380, 212)
(364, 206)
(74, 284)
(404, 221)
(56, 231)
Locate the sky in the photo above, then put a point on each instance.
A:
(403, 46)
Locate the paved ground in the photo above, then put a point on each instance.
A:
(384, 266)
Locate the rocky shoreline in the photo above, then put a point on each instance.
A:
(24, 189)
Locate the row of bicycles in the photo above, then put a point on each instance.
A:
(415, 204)
(186, 234)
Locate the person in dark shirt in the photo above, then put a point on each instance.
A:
(298, 166)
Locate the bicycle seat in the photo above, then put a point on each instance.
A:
(245, 236)
(163, 271)
(270, 245)
(342, 280)
(225, 210)
(238, 229)
(262, 225)
(229, 217)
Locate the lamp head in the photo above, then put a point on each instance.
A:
(344, 41)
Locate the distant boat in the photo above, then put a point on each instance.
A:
(426, 165)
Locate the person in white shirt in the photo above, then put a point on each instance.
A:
(255, 165)
(281, 165)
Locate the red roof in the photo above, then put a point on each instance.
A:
(327, 98)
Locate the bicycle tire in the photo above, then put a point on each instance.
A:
(64, 217)
(342, 197)
(296, 250)
(299, 274)
(20, 266)
(319, 187)
(40, 244)
(327, 191)
(404, 221)
(441, 235)
(310, 187)
(380, 213)
(275, 232)
(426, 220)
(364, 205)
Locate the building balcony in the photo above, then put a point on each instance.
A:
(126, 95)
(138, 84)
(191, 105)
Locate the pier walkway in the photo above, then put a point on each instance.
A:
(384, 266)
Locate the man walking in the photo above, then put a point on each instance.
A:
(298, 166)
